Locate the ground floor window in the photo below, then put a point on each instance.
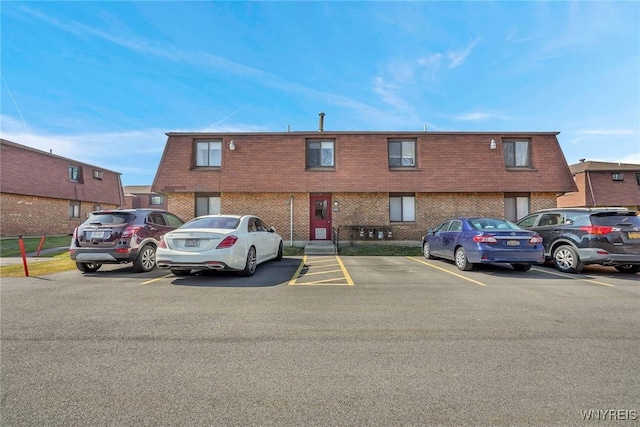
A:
(74, 209)
(207, 204)
(402, 208)
(516, 206)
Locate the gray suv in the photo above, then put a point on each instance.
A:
(121, 236)
(574, 237)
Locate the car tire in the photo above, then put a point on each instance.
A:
(462, 262)
(521, 267)
(426, 251)
(280, 251)
(250, 266)
(567, 260)
(180, 272)
(146, 260)
(629, 268)
(88, 267)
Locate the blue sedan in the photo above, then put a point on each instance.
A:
(469, 241)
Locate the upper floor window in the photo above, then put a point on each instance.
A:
(156, 199)
(402, 153)
(617, 176)
(209, 153)
(97, 174)
(516, 153)
(402, 208)
(638, 179)
(320, 154)
(75, 173)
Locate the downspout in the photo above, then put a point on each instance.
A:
(593, 197)
(291, 220)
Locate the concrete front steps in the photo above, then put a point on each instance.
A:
(320, 247)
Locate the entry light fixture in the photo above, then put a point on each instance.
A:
(492, 145)
(232, 145)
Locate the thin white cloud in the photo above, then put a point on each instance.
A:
(476, 116)
(208, 60)
(606, 132)
(458, 57)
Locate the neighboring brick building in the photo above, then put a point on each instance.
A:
(141, 196)
(42, 193)
(312, 185)
(604, 184)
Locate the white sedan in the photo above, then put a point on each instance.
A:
(219, 242)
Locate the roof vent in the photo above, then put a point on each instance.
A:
(321, 124)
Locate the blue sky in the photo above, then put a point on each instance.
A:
(102, 82)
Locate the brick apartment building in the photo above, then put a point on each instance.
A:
(141, 197)
(42, 193)
(604, 184)
(361, 185)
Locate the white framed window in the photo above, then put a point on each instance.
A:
(320, 154)
(516, 153)
(75, 173)
(402, 208)
(208, 153)
(156, 199)
(207, 205)
(402, 153)
(74, 209)
(97, 174)
(617, 176)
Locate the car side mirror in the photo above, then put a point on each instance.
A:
(272, 229)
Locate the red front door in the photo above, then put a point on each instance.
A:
(320, 217)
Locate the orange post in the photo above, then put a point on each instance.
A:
(41, 244)
(24, 255)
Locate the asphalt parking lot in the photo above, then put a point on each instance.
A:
(323, 341)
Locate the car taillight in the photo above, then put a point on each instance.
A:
(597, 229)
(162, 243)
(535, 240)
(484, 239)
(227, 242)
(130, 231)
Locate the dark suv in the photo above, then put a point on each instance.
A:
(120, 236)
(574, 237)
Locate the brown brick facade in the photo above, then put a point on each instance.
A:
(367, 209)
(37, 216)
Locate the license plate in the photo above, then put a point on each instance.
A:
(634, 234)
(192, 243)
(513, 242)
(97, 234)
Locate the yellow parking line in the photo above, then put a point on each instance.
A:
(447, 271)
(148, 282)
(344, 271)
(298, 274)
(567, 276)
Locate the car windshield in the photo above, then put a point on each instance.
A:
(616, 220)
(492, 224)
(112, 218)
(224, 222)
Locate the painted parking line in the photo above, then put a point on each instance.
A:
(157, 279)
(447, 271)
(321, 271)
(574, 277)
